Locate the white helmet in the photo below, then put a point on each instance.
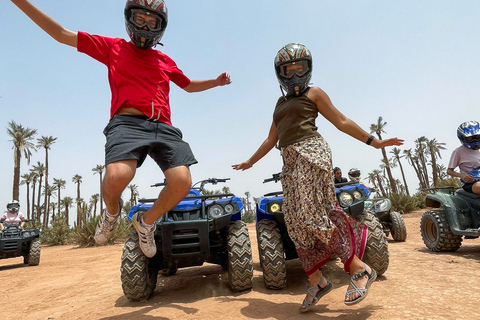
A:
(354, 174)
(13, 206)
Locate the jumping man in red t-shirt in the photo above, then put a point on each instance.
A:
(140, 125)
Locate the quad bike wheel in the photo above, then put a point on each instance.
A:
(398, 228)
(436, 232)
(240, 262)
(376, 253)
(33, 256)
(138, 276)
(272, 257)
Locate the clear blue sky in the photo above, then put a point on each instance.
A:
(415, 63)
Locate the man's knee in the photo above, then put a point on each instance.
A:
(476, 187)
(179, 178)
(118, 175)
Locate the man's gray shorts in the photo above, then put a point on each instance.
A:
(133, 137)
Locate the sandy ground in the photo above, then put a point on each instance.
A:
(72, 283)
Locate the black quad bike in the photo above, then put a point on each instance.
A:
(456, 215)
(392, 221)
(16, 241)
(275, 245)
(201, 228)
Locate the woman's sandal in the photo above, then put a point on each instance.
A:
(372, 275)
(316, 297)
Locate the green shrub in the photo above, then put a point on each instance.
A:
(83, 236)
(248, 217)
(58, 234)
(405, 204)
(451, 182)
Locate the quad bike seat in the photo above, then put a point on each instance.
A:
(468, 194)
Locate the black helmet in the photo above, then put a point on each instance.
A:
(469, 134)
(354, 174)
(13, 206)
(293, 81)
(145, 39)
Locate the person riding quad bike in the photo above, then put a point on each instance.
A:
(12, 215)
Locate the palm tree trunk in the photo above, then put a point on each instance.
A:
(393, 185)
(403, 177)
(434, 171)
(33, 200)
(28, 201)
(16, 175)
(39, 210)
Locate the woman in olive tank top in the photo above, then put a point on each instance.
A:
(315, 223)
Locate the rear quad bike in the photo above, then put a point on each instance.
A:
(275, 246)
(16, 241)
(392, 221)
(456, 215)
(201, 228)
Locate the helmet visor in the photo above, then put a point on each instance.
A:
(475, 138)
(141, 18)
(13, 207)
(295, 68)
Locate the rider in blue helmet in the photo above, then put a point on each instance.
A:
(467, 157)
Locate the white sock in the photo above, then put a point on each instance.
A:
(109, 216)
(148, 226)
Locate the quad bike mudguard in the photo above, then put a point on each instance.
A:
(462, 217)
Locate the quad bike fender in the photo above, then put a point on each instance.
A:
(457, 211)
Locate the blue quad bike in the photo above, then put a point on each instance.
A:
(16, 241)
(456, 215)
(275, 245)
(201, 228)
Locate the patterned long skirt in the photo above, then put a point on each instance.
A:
(315, 222)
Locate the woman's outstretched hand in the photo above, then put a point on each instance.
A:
(242, 166)
(386, 143)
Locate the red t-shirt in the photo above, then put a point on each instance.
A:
(138, 78)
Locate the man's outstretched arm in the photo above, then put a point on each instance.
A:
(44, 21)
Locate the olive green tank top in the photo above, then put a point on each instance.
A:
(295, 120)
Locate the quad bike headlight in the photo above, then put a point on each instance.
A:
(357, 194)
(215, 211)
(346, 199)
(229, 208)
(275, 207)
(384, 205)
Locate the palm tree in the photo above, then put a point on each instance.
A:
(396, 159)
(133, 194)
(99, 169)
(412, 159)
(372, 179)
(247, 202)
(377, 128)
(93, 201)
(378, 176)
(39, 169)
(420, 151)
(34, 184)
(80, 212)
(78, 179)
(27, 179)
(46, 143)
(53, 204)
(22, 143)
(59, 184)
(433, 149)
(66, 203)
(48, 193)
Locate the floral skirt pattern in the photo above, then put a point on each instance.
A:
(315, 222)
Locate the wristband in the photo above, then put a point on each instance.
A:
(370, 139)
